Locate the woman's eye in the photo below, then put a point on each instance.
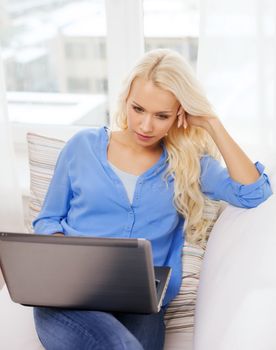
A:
(137, 109)
(162, 117)
(140, 110)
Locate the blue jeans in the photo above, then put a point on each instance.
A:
(60, 329)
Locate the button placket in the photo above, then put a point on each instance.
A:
(138, 190)
(131, 213)
(131, 219)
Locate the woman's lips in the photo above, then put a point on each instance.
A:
(143, 137)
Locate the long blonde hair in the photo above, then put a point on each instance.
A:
(168, 70)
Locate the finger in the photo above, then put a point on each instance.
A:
(180, 120)
(185, 123)
(178, 110)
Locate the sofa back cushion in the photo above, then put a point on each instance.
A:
(180, 315)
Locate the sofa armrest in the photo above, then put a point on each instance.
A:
(236, 303)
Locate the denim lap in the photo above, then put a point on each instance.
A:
(60, 329)
(148, 329)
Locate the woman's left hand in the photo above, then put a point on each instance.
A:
(185, 119)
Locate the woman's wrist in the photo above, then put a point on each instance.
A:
(214, 127)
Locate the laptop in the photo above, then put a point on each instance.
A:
(84, 273)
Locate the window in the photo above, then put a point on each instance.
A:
(54, 46)
(75, 51)
(78, 84)
(172, 24)
(101, 85)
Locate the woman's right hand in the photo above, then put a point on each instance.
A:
(58, 234)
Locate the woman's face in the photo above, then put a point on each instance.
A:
(151, 112)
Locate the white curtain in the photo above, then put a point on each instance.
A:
(237, 65)
(11, 213)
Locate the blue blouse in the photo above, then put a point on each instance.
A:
(87, 198)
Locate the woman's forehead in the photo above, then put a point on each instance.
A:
(144, 92)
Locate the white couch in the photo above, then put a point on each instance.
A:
(236, 298)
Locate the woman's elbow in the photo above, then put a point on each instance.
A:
(257, 197)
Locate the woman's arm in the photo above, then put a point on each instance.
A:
(240, 167)
(242, 183)
(217, 184)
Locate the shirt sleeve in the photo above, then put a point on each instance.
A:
(57, 200)
(217, 184)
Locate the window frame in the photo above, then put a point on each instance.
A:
(125, 42)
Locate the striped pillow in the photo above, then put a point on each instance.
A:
(179, 317)
(43, 154)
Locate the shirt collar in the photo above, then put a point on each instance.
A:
(158, 167)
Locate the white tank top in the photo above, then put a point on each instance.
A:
(128, 180)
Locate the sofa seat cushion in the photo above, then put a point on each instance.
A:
(17, 325)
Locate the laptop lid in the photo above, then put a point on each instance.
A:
(111, 274)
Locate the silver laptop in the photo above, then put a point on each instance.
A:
(108, 274)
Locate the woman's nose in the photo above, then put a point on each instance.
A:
(146, 125)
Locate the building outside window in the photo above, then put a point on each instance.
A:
(50, 46)
(172, 24)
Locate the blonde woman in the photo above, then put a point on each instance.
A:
(148, 179)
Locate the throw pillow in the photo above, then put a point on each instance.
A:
(43, 154)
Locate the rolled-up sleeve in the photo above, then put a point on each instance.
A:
(217, 184)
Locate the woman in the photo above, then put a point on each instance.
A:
(148, 179)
